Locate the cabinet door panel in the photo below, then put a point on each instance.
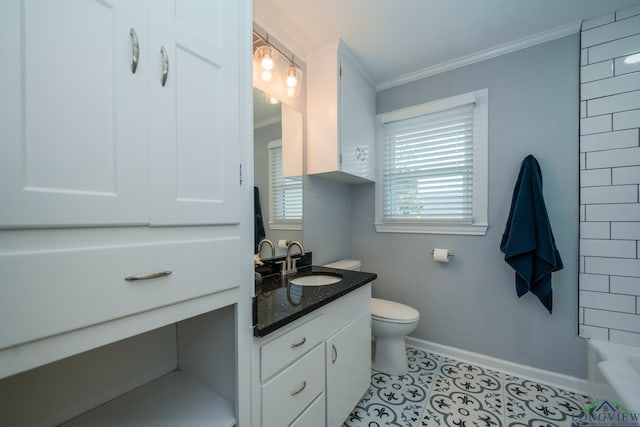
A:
(357, 122)
(73, 123)
(194, 116)
(348, 355)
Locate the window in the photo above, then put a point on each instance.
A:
(285, 193)
(433, 167)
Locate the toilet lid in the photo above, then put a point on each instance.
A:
(393, 311)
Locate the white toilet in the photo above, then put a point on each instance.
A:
(390, 323)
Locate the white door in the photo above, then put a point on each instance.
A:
(195, 163)
(73, 115)
(348, 355)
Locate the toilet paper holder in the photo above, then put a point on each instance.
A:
(450, 254)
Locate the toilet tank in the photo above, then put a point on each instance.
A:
(346, 264)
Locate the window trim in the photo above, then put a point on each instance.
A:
(278, 224)
(480, 167)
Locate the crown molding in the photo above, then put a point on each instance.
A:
(523, 43)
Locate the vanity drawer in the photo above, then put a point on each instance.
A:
(314, 415)
(49, 292)
(287, 395)
(283, 350)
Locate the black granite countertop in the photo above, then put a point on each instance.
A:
(278, 302)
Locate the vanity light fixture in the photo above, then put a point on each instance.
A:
(294, 77)
(632, 59)
(269, 59)
(264, 56)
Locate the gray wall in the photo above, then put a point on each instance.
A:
(471, 302)
(326, 222)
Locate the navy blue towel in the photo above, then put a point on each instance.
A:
(258, 229)
(527, 242)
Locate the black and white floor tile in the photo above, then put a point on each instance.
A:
(443, 392)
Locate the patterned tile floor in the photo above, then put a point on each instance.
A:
(444, 392)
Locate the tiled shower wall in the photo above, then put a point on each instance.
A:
(610, 178)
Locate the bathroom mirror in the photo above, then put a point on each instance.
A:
(277, 163)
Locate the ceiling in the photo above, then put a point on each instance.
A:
(395, 38)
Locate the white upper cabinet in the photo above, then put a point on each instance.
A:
(341, 116)
(87, 140)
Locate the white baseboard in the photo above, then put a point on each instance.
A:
(522, 371)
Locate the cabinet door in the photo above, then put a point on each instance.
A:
(348, 368)
(195, 166)
(73, 131)
(357, 122)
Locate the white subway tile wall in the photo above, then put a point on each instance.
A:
(598, 71)
(627, 119)
(610, 178)
(595, 230)
(623, 337)
(595, 177)
(594, 282)
(625, 285)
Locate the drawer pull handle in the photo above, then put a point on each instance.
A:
(298, 344)
(147, 276)
(304, 384)
(334, 350)
(135, 47)
(165, 66)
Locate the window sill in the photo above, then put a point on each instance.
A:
(463, 229)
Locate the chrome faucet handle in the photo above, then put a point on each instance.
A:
(292, 268)
(291, 264)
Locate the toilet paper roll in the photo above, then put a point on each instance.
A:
(283, 243)
(441, 255)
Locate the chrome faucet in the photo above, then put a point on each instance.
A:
(289, 266)
(270, 243)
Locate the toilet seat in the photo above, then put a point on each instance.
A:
(394, 312)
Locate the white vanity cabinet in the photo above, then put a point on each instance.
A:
(122, 133)
(94, 129)
(315, 370)
(347, 375)
(341, 112)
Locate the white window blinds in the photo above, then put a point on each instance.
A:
(428, 167)
(285, 193)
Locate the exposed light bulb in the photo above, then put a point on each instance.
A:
(292, 78)
(632, 59)
(291, 91)
(292, 81)
(267, 61)
(266, 75)
(273, 100)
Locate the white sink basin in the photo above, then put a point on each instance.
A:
(315, 280)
